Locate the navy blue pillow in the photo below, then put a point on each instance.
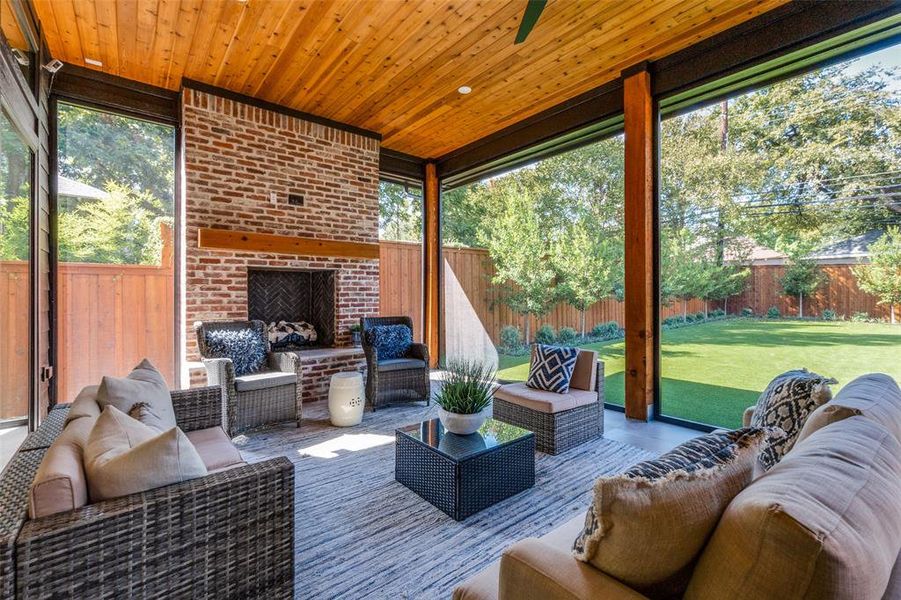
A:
(244, 347)
(552, 368)
(390, 341)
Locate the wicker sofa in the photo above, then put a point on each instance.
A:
(271, 395)
(403, 379)
(560, 421)
(229, 534)
(823, 523)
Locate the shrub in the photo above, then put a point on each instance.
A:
(699, 316)
(511, 337)
(719, 312)
(773, 313)
(860, 317)
(670, 321)
(689, 318)
(828, 315)
(567, 336)
(747, 312)
(545, 335)
(605, 330)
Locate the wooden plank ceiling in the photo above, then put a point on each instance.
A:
(390, 66)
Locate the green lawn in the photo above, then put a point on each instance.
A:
(712, 371)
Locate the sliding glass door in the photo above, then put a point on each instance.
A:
(15, 275)
(115, 276)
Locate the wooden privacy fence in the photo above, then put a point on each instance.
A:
(111, 316)
(468, 272)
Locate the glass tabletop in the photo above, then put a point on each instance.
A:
(493, 434)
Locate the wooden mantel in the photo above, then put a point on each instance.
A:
(247, 241)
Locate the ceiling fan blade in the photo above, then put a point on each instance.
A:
(529, 18)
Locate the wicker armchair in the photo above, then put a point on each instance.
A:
(558, 426)
(227, 535)
(267, 396)
(398, 380)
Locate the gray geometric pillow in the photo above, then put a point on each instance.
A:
(786, 403)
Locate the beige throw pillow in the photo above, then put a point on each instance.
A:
(665, 509)
(123, 456)
(143, 385)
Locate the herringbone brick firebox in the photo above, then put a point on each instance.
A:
(241, 162)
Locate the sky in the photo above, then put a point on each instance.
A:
(889, 57)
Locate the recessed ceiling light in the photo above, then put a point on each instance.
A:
(464, 89)
(93, 61)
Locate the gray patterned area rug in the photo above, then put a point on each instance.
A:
(360, 534)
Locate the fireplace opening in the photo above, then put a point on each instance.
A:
(294, 296)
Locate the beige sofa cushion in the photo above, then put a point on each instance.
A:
(542, 401)
(143, 385)
(215, 448)
(667, 507)
(823, 416)
(59, 484)
(585, 372)
(123, 456)
(85, 404)
(824, 523)
(875, 396)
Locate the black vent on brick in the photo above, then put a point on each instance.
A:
(280, 295)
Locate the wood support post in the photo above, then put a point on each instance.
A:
(640, 232)
(431, 261)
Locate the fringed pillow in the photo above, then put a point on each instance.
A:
(786, 403)
(667, 508)
(246, 349)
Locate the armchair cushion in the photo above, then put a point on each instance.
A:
(542, 401)
(123, 456)
(264, 380)
(401, 364)
(245, 347)
(390, 341)
(216, 450)
(144, 385)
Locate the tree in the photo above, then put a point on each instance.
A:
(882, 277)
(119, 229)
(802, 277)
(521, 251)
(727, 281)
(97, 147)
(400, 212)
(686, 268)
(589, 266)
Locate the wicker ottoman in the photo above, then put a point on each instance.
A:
(560, 421)
(463, 474)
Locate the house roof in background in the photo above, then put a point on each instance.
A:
(388, 67)
(76, 189)
(850, 249)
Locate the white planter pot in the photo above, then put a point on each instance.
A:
(462, 424)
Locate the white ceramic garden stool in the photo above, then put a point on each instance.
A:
(345, 399)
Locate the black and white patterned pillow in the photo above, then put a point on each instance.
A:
(552, 368)
(286, 335)
(786, 403)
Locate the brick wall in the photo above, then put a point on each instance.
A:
(235, 156)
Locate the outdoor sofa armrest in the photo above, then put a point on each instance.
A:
(420, 351)
(198, 408)
(532, 569)
(226, 535)
(747, 416)
(286, 362)
(599, 382)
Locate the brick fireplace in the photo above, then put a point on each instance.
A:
(241, 164)
(307, 295)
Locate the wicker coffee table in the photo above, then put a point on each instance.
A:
(463, 474)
